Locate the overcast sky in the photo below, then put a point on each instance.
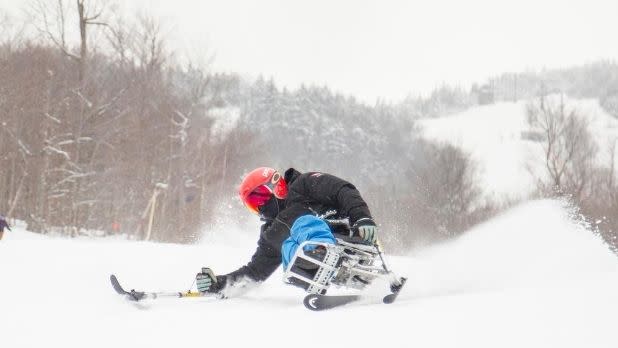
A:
(387, 48)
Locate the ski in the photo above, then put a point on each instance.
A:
(317, 302)
(137, 296)
(395, 290)
(132, 295)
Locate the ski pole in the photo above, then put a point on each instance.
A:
(140, 295)
(396, 280)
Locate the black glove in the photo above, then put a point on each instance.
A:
(207, 281)
(367, 230)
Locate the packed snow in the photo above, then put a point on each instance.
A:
(533, 277)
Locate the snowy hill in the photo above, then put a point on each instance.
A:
(492, 134)
(531, 277)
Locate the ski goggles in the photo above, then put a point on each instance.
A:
(259, 197)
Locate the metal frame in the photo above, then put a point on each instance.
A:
(342, 262)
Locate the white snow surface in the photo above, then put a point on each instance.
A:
(532, 277)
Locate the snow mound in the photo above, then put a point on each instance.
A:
(540, 243)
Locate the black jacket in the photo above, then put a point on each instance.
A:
(308, 193)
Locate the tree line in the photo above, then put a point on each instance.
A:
(113, 134)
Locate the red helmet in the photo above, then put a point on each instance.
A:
(259, 186)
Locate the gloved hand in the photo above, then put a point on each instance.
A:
(367, 230)
(207, 281)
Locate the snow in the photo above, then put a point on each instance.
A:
(507, 163)
(225, 119)
(532, 277)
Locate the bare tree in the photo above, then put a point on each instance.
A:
(449, 185)
(51, 19)
(87, 17)
(120, 39)
(611, 188)
(568, 146)
(149, 44)
(11, 32)
(442, 196)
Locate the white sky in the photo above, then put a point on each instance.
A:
(388, 48)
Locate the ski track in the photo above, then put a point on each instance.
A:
(528, 278)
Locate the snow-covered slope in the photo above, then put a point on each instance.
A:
(492, 134)
(529, 278)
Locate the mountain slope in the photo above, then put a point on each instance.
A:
(494, 136)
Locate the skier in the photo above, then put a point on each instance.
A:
(290, 207)
(3, 225)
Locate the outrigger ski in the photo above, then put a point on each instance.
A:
(132, 295)
(316, 302)
(141, 295)
(395, 290)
